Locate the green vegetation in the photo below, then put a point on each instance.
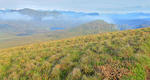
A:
(122, 55)
(94, 27)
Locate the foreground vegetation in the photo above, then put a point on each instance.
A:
(123, 55)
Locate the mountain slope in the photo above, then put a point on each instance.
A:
(94, 27)
(120, 55)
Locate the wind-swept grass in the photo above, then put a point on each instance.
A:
(122, 55)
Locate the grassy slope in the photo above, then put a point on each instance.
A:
(121, 55)
(94, 27)
(11, 40)
(8, 41)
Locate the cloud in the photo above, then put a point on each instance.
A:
(14, 16)
(80, 5)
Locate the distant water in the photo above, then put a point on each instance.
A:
(24, 34)
(56, 28)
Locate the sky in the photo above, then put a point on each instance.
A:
(102, 6)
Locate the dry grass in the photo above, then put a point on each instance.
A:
(119, 55)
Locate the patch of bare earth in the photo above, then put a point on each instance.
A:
(148, 74)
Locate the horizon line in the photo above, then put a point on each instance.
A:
(99, 12)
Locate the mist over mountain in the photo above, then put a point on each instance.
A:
(39, 15)
(25, 20)
(128, 20)
(37, 21)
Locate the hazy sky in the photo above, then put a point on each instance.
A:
(81, 5)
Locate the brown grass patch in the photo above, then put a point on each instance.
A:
(111, 73)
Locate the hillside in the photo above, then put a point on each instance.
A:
(122, 55)
(93, 27)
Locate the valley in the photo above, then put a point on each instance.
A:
(13, 39)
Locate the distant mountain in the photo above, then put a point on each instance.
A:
(134, 24)
(94, 27)
(42, 14)
(130, 20)
(25, 20)
(37, 15)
